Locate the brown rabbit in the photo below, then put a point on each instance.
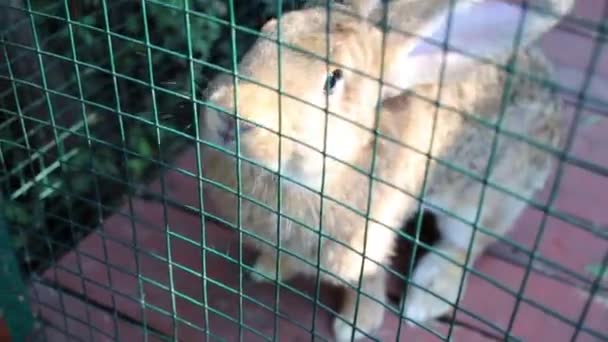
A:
(292, 150)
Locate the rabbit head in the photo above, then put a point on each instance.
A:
(329, 104)
(298, 114)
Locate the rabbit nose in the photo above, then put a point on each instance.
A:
(228, 134)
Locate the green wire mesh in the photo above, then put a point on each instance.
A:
(96, 99)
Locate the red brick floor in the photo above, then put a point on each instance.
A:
(141, 273)
(4, 333)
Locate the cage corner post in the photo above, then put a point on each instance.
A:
(15, 310)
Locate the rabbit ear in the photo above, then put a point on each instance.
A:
(478, 30)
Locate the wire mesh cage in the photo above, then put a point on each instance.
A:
(289, 170)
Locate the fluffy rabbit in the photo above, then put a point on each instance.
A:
(333, 232)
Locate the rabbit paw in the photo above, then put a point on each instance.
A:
(265, 269)
(368, 322)
(370, 315)
(343, 331)
(438, 282)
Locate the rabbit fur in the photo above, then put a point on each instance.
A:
(333, 232)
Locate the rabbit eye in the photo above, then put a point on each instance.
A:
(332, 80)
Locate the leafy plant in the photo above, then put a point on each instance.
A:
(135, 82)
(595, 269)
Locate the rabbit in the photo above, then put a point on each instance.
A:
(324, 194)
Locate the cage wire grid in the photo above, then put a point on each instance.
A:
(96, 105)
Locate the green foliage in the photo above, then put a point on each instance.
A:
(595, 269)
(17, 213)
(66, 180)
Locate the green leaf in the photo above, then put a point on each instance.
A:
(136, 167)
(88, 20)
(133, 24)
(19, 239)
(81, 183)
(595, 270)
(144, 148)
(105, 165)
(17, 213)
